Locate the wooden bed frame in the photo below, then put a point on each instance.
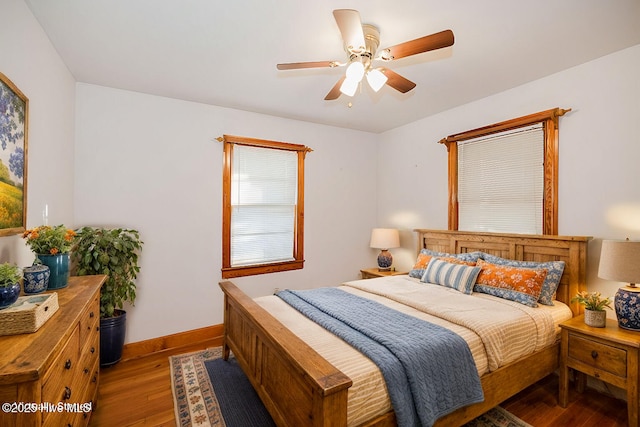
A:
(299, 387)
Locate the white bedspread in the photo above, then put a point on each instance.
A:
(498, 331)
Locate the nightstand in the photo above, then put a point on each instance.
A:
(609, 354)
(371, 273)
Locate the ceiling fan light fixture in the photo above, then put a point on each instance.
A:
(355, 71)
(361, 42)
(376, 79)
(349, 86)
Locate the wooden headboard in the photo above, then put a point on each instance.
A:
(522, 247)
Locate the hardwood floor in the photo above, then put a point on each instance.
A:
(137, 392)
(538, 406)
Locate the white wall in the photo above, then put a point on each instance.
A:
(599, 184)
(30, 61)
(153, 164)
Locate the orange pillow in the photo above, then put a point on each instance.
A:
(452, 260)
(422, 261)
(523, 285)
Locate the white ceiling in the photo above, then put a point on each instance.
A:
(225, 52)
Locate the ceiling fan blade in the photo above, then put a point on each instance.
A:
(397, 82)
(350, 26)
(334, 93)
(423, 44)
(314, 64)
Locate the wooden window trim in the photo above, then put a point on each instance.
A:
(298, 246)
(549, 120)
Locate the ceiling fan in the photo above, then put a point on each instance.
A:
(361, 44)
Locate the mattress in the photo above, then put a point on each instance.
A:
(498, 331)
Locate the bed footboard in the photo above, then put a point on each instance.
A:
(297, 385)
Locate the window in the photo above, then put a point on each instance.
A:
(504, 177)
(263, 206)
(500, 182)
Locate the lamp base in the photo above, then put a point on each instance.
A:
(627, 305)
(384, 260)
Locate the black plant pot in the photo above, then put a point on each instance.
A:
(112, 331)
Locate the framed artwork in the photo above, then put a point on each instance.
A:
(14, 118)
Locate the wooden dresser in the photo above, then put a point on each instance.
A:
(50, 377)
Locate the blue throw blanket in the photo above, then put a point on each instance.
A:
(428, 369)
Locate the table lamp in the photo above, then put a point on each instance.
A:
(620, 261)
(384, 239)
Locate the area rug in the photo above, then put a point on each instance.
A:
(209, 391)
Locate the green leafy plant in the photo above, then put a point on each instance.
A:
(113, 252)
(9, 274)
(46, 240)
(592, 300)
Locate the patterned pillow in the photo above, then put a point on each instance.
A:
(425, 256)
(452, 275)
(551, 282)
(454, 260)
(522, 285)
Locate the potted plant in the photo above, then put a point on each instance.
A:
(51, 246)
(594, 305)
(114, 253)
(10, 276)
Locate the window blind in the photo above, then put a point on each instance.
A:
(263, 205)
(501, 182)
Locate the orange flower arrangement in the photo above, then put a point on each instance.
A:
(47, 240)
(592, 301)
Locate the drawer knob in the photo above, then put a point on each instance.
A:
(67, 364)
(594, 354)
(67, 394)
(91, 315)
(93, 350)
(85, 370)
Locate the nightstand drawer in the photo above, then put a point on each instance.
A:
(601, 356)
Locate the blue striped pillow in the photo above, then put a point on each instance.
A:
(457, 276)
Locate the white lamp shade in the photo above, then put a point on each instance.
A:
(384, 238)
(620, 261)
(349, 86)
(376, 79)
(355, 71)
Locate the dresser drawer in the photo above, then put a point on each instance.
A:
(62, 371)
(89, 361)
(89, 347)
(91, 392)
(60, 419)
(59, 381)
(90, 320)
(601, 356)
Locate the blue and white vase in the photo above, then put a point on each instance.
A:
(36, 278)
(627, 304)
